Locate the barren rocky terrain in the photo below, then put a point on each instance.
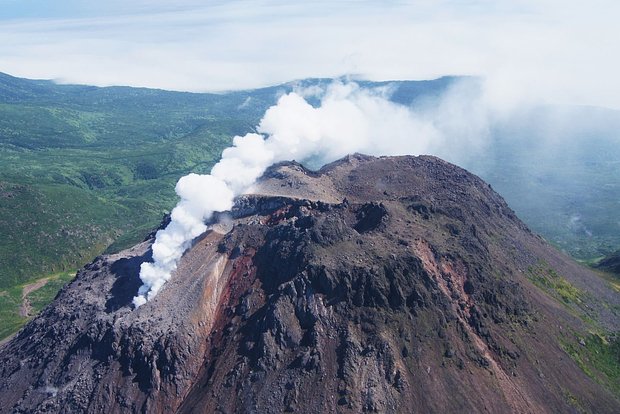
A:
(392, 284)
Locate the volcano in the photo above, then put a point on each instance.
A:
(391, 284)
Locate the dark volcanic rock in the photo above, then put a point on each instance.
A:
(611, 263)
(395, 284)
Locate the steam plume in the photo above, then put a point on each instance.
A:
(349, 119)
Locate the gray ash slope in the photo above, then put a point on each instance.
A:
(393, 284)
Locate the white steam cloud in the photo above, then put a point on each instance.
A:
(349, 119)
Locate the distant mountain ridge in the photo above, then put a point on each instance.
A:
(14, 89)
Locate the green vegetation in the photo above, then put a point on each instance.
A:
(84, 170)
(10, 301)
(598, 357)
(41, 293)
(595, 353)
(41, 297)
(546, 278)
(556, 286)
(574, 402)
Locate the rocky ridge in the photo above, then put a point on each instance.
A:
(393, 284)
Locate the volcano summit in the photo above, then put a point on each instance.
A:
(392, 284)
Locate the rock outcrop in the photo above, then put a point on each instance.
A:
(394, 284)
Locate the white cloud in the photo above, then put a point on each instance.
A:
(349, 119)
(547, 49)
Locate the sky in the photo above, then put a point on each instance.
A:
(545, 50)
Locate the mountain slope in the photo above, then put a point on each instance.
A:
(120, 151)
(85, 169)
(396, 284)
(610, 263)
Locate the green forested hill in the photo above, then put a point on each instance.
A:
(81, 167)
(85, 169)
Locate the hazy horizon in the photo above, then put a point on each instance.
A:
(544, 51)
